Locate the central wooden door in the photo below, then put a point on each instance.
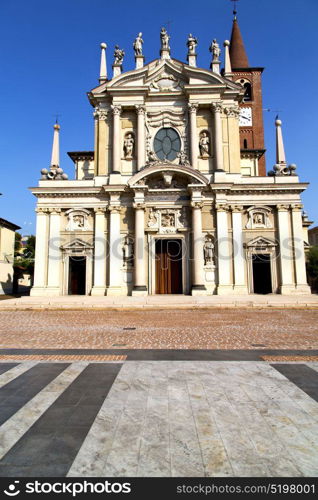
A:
(168, 266)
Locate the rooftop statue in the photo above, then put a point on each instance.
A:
(164, 37)
(215, 50)
(191, 44)
(118, 55)
(138, 45)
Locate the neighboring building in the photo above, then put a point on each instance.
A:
(7, 240)
(174, 198)
(313, 236)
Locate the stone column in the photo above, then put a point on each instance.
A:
(224, 256)
(115, 251)
(41, 252)
(285, 251)
(140, 286)
(54, 262)
(299, 253)
(198, 287)
(116, 138)
(100, 159)
(240, 285)
(193, 132)
(141, 146)
(218, 136)
(100, 253)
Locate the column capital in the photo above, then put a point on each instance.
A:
(283, 208)
(193, 107)
(115, 209)
(232, 111)
(297, 207)
(139, 205)
(116, 109)
(99, 210)
(42, 210)
(100, 114)
(236, 208)
(55, 211)
(197, 204)
(222, 207)
(140, 109)
(216, 107)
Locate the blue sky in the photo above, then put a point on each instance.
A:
(49, 57)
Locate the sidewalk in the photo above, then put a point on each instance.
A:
(73, 302)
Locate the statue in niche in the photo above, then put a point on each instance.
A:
(208, 250)
(183, 159)
(191, 44)
(138, 45)
(215, 50)
(153, 219)
(128, 250)
(118, 55)
(164, 37)
(129, 142)
(204, 144)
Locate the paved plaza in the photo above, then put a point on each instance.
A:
(209, 393)
(159, 418)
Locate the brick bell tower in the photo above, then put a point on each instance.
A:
(251, 116)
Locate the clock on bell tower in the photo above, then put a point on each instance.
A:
(251, 113)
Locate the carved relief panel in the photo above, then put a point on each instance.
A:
(77, 220)
(258, 217)
(167, 220)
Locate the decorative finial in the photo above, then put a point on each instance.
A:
(103, 66)
(234, 9)
(227, 60)
(55, 158)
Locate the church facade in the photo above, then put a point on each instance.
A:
(174, 199)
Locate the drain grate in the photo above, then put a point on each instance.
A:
(119, 345)
(258, 345)
(129, 328)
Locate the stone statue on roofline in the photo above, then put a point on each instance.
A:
(215, 50)
(164, 37)
(138, 45)
(118, 55)
(192, 42)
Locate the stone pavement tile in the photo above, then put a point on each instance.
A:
(303, 452)
(12, 430)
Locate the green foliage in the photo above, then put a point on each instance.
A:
(25, 259)
(17, 243)
(312, 267)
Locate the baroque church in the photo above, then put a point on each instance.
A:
(175, 198)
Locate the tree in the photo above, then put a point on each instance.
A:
(17, 244)
(312, 267)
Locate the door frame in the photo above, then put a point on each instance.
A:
(261, 245)
(152, 260)
(77, 248)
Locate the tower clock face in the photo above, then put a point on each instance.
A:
(245, 117)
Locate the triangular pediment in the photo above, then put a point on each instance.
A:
(261, 242)
(77, 244)
(166, 75)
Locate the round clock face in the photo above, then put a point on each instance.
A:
(245, 117)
